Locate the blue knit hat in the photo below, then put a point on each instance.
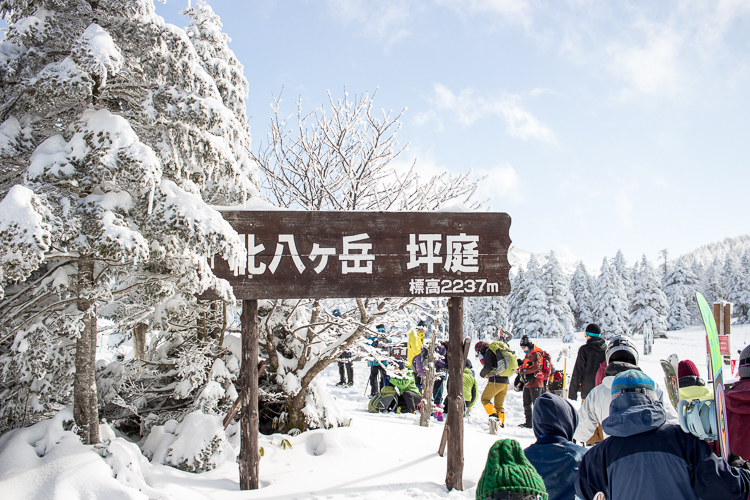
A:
(634, 381)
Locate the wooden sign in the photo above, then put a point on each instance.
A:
(299, 254)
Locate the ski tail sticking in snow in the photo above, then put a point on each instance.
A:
(715, 370)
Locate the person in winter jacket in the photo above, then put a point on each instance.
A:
(622, 355)
(471, 392)
(508, 475)
(737, 401)
(408, 393)
(419, 367)
(533, 379)
(692, 386)
(555, 457)
(647, 459)
(377, 370)
(590, 356)
(497, 365)
(414, 346)
(346, 370)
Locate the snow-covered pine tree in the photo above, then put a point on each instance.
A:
(560, 301)
(518, 292)
(713, 284)
(649, 308)
(733, 278)
(743, 304)
(680, 286)
(532, 315)
(123, 140)
(483, 316)
(610, 310)
(581, 288)
(625, 272)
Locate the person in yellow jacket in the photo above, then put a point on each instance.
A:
(414, 347)
(692, 386)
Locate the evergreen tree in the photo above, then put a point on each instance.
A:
(581, 288)
(121, 144)
(733, 278)
(560, 301)
(680, 286)
(484, 315)
(531, 316)
(741, 301)
(625, 272)
(518, 293)
(649, 308)
(713, 284)
(610, 310)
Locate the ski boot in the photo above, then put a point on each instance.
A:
(493, 423)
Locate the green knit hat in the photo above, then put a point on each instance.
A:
(508, 469)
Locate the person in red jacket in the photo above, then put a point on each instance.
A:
(737, 399)
(530, 370)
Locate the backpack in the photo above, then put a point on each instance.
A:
(546, 370)
(384, 401)
(506, 359)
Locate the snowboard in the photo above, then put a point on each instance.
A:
(600, 496)
(670, 379)
(715, 365)
(675, 360)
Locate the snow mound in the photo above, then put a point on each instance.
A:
(46, 461)
(197, 444)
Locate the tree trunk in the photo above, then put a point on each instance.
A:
(139, 342)
(249, 455)
(429, 381)
(85, 406)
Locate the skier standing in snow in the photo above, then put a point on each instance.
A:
(377, 372)
(647, 459)
(621, 356)
(692, 386)
(498, 363)
(590, 356)
(531, 370)
(737, 400)
(414, 346)
(555, 457)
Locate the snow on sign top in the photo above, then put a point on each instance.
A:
(298, 254)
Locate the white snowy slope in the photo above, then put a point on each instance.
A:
(378, 456)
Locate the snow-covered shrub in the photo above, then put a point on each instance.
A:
(197, 444)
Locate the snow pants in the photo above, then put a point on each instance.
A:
(346, 366)
(530, 394)
(496, 391)
(377, 379)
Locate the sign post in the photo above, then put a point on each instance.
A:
(314, 254)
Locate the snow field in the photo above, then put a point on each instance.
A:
(378, 456)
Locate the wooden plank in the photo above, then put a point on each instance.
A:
(249, 460)
(372, 254)
(455, 421)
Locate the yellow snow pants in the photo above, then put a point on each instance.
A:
(497, 391)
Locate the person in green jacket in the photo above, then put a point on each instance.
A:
(408, 393)
(470, 386)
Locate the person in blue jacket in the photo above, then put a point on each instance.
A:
(555, 457)
(645, 458)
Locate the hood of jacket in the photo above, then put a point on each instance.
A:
(738, 397)
(633, 413)
(616, 367)
(690, 381)
(554, 416)
(597, 342)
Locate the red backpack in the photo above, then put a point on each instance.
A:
(546, 369)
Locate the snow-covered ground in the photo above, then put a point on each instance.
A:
(378, 456)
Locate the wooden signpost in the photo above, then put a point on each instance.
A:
(307, 254)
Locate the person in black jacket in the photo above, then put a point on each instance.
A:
(590, 356)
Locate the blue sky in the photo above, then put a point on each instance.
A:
(600, 125)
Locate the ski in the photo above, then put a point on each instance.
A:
(715, 365)
(670, 379)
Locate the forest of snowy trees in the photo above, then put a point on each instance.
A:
(120, 135)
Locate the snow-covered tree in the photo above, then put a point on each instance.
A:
(483, 316)
(734, 278)
(531, 315)
(610, 307)
(713, 284)
(518, 292)
(649, 308)
(742, 306)
(560, 301)
(581, 288)
(123, 142)
(680, 286)
(336, 157)
(625, 272)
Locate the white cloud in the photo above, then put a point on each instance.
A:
(383, 20)
(501, 183)
(468, 108)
